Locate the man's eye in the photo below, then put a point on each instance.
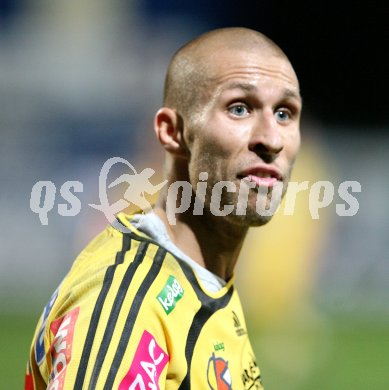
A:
(239, 110)
(282, 115)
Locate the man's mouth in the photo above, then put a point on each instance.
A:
(261, 176)
(261, 181)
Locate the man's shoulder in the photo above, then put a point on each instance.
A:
(120, 246)
(116, 239)
(111, 264)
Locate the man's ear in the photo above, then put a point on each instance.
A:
(168, 127)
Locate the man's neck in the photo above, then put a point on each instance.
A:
(211, 241)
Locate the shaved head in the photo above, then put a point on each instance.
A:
(232, 108)
(191, 68)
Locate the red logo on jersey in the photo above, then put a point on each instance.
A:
(218, 374)
(28, 381)
(149, 361)
(61, 347)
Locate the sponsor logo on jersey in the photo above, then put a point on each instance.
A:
(149, 361)
(218, 374)
(251, 377)
(171, 293)
(61, 348)
(218, 346)
(28, 381)
(240, 331)
(39, 347)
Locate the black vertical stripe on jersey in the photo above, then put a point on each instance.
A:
(132, 315)
(190, 275)
(113, 317)
(209, 306)
(126, 246)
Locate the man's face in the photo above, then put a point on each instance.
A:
(247, 130)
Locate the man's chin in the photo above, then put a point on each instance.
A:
(258, 211)
(259, 220)
(250, 219)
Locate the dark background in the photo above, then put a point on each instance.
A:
(339, 48)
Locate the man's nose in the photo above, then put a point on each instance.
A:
(266, 138)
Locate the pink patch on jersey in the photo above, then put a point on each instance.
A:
(28, 382)
(149, 361)
(61, 348)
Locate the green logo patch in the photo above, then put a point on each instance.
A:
(171, 293)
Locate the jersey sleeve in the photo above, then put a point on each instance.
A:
(102, 329)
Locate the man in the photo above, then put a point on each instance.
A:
(150, 303)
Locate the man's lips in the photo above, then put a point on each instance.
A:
(262, 181)
(261, 175)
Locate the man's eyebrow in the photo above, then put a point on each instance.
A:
(290, 93)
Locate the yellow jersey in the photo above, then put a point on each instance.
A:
(131, 315)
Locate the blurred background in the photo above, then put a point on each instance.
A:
(80, 82)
